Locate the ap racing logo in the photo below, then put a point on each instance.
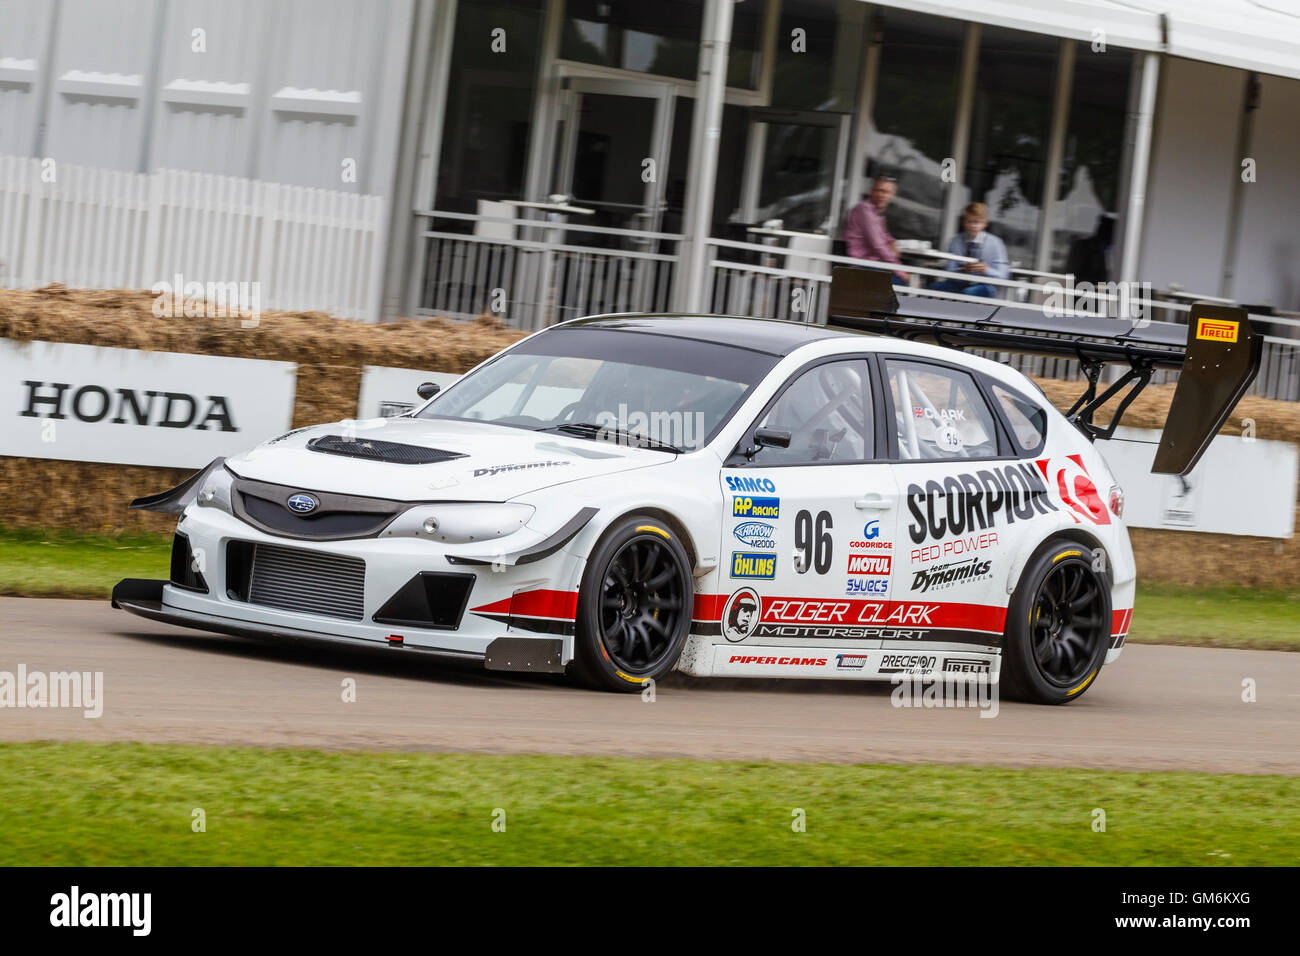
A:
(753, 507)
(740, 616)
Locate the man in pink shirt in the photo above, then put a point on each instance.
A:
(865, 234)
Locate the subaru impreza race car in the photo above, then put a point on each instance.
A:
(619, 496)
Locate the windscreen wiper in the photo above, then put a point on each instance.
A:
(613, 433)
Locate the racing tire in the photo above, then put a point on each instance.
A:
(1058, 626)
(634, 606)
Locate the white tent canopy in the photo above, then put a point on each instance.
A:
(1261, 35)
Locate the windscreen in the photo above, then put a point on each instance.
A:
(673, 391)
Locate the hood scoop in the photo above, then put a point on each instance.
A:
(373, 449)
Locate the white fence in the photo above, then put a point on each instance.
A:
(307, 249)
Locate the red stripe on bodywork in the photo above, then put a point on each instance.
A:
(1120, 621)
(831, 610)
(539, 603)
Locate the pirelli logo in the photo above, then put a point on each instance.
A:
(1216, 330)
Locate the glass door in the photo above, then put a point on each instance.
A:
(614, 143)
(795, 168)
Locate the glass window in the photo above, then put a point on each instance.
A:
(605, 384)
(1028, 420)
(912, 118)
(827, 412)
(820, 46)
(489, 104)
(661, 37)
(1083, 233)
(939, 413)
(1010, 126)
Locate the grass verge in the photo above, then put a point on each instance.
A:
(133, 804)
(63, 564)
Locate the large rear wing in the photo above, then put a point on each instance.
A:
(1217, 352)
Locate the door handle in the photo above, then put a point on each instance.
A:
(873, 503)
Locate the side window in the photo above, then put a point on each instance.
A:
(939, 412)
(827, 411)
(1028, 421)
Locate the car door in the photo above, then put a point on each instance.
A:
(809, 524)
(967, 504)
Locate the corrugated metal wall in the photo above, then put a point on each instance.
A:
(290, 91)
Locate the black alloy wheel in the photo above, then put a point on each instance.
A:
(634, 605)
(1058, 625)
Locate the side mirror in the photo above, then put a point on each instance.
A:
(428, 389)
(772, 437)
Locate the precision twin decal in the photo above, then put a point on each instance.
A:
(964, 501)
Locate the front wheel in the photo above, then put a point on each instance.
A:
(634, 606)
(1058, 626)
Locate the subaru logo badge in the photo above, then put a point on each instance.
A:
(302, 503)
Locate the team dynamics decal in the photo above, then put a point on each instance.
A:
(962, 502)
(813, 542)
(1076, 489)
(946, 575)
(494, 470)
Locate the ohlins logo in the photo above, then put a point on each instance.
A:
(925, 578)
(963, 502)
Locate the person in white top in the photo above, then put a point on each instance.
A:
(976, 242)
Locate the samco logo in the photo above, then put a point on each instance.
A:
(746, 483)
(747, 507)
(747, 565)
(869, 563)
(1216, 330)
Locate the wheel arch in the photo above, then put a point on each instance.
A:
(1073, 533)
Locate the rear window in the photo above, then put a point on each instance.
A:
(1027, 419)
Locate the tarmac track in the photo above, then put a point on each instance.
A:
(1157, 708)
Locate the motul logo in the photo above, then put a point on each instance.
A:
(94, 403)
(869, 563)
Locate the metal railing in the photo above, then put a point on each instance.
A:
(546, 273)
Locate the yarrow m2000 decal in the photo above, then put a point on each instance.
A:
(756, 534)
(962, 502)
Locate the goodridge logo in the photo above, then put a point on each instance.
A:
(1216, 330)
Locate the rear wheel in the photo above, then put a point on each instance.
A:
(634, 606)
(1058, 626)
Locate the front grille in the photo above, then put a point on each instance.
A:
(373, 449)
(293, 579)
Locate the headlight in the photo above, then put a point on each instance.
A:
(215, 490)
(461, 522)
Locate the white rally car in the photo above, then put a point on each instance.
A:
(620, 496)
